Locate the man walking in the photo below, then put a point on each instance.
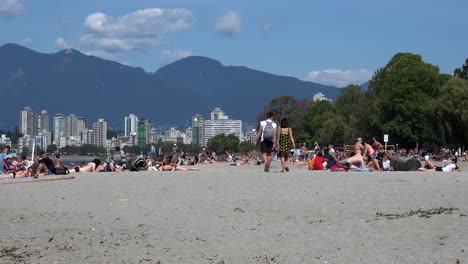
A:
(267, 131)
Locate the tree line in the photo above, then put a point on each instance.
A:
(408, 99)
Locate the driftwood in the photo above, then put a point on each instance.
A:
(43, 178)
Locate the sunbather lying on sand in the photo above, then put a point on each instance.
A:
(430, 166)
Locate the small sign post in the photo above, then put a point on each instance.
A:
(385, 139)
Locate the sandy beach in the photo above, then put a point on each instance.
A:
(238, 214)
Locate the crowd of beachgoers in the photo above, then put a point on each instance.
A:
(364, 157)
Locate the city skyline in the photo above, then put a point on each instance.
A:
(72, 130)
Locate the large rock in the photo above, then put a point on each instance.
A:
(405, 164)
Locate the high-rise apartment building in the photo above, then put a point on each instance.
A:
(72, 125)
(198, 130)
(131, 125)
(60, 127)
(143, 132)
(42, 123)
(221, 124)
(26, 121)
(82, 125)
(99, 135)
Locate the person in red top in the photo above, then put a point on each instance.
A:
(319, 160)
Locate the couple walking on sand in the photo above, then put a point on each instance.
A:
(267, 132)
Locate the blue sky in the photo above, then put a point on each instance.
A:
(325, 41)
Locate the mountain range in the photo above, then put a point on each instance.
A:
(71, 82)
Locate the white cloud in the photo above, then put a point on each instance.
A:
(62, 43)
(141, 29)
(11, 8)
(229, 24)
(340, 78)
(169, 56)
(26, 42)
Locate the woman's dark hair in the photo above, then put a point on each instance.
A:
(284, 122)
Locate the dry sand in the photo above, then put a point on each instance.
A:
(237, 214)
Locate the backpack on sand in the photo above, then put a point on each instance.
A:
(269, 131)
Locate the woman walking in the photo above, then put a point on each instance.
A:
(286, 140)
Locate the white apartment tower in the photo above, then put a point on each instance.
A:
(131, 125)
(60, 126)
(221, 124)
(99, 136)
(26, 121)
(42, 123)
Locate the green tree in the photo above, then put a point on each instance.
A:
(246, 147)
(220, 143)
(463, 71)
(449, 112)
(289, 107)
(52, 148)
(399, 92)
(26, 151)
(353, 107)
(317, 113)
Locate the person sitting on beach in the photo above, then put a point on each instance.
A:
(31, 171)
(304, 154)
(10, 164)
(386, 161)
(430, 166)
(58, 161)
(376, 145)
(228, 157)
(357, 158)
(317, 148)
(23, 164)
(331, 160)
(46, 161)
(319, 161)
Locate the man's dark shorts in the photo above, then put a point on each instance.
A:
(266, 146)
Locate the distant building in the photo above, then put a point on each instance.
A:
(321, 97)
(82, 126)
(143, 132)
(173, 135)
(188, 136)
(250, 136)
(131, 125)
(60, 126)
(4, 140)
(42, 122)
(99, 134)
(24, 142)
(221, 124)
(26, 121)
(198, 130)
(42, 140)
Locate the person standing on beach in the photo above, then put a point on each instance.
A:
(267, 132)
(286, 140)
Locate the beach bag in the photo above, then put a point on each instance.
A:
(136, 164)
(269, 131)
(61, 171)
